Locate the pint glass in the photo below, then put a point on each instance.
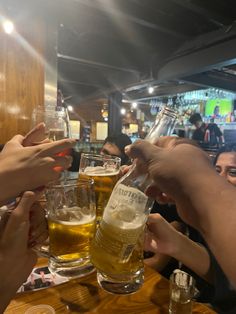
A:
(104, 170)
(71, 223)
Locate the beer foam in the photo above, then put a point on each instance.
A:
(73, 216)
(100, 171)
(124, 217)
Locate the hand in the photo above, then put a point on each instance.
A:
(16, 258)
(27, 168)
(161, 236)
(172, 166)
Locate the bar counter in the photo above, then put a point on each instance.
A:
(85, 296)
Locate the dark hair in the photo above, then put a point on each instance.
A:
(225, 149)
(120, 140)
(195, 117)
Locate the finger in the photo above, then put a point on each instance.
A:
(143, 150)
(37, 134)
(21, 212)
(56, 147)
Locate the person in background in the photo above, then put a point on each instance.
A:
(212, 212)
(225, 163)
(205, 133)
(115, 145)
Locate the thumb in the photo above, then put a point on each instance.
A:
(20, 215)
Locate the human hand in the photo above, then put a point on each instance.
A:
(161, 236)
(27, 168)
(172, 166)
(16, 258)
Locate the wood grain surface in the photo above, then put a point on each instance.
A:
(21, 76)
(85, 296)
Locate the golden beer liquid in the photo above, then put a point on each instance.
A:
(70, 240)
(56, 134)
(103, 186)
(111, 248)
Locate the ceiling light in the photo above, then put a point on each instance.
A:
(8, 26)
(123, 111)
(134, 105)
(150, 89)
(70, 108)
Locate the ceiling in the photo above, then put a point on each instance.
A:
(107, 45)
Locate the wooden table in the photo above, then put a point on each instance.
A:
(85, 296)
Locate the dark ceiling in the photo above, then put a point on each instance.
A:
(106, 45)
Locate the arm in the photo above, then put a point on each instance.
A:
(203, 199)
(165, 240)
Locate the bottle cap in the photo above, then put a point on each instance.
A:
(40, 309)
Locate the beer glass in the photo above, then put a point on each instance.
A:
(104, 170)
(55, 122)
(115, 273)
(71, 223)
(182, 290)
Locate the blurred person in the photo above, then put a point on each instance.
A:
(204, 199)
(205, 133)
(115, 145)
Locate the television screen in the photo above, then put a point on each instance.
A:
(218, 107)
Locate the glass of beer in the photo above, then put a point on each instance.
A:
(119, 273)
(104, 170)
(182, 290)
(71, 223)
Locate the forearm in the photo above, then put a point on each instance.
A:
(192, 255)
(214, 203)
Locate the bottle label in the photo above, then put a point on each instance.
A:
(123, 222)
(127, 204)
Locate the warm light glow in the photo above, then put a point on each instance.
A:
(123, 111)
(134, 105)
(150, 89)
(8, 26)
(70, 108)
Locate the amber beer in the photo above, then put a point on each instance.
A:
(115, 250)
(70, 240)
(104, 182)
(72, 224)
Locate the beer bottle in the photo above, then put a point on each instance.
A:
(113, 247)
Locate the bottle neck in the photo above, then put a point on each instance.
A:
(163, 126)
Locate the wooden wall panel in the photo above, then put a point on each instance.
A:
(21, 77)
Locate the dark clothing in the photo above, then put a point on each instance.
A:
(224, 297)
(76, 160)
(214, 134)
(199, 134)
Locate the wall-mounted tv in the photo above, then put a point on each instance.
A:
(218, 107)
